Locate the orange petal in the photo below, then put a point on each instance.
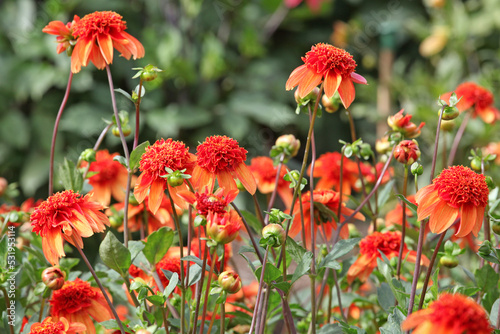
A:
(308, 82)
(201, 179)
(332, 83)
(442, 217)
(479, 220)
(246, 177)
(346, 92)
(106, 47)
(97, 58)
(84, 50)
(226, 180)
(155, 194)
(468, 216)
(296, 77)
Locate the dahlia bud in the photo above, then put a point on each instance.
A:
(53, 278)
(87, 155)
(449, 261)
(3, 185)
(273, 235)
(289, 143)
(417, 168)
(331, 105)
(407, 152)
(223, 228)
(450, 113)
(383, 145)
(150, 73)
(126, 129)
(447, 125)
(311, 97)
(230, 282)
(402, 123)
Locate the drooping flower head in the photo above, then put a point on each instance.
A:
(330, 65)
(222, 158)
(322, 219)
(206, 201)
(265, 174)
(97, 34)
(66, 215)
(403, 124)
(327, 168)
(162, 154)
(449, 314)
(64, 32)
(458, 192)
(473, 95)
(370, 248)
(53, 326)
(77, 301)
(223, 228)
(110, 178)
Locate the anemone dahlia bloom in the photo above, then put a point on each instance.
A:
(327, 168)
(61, 326)
(473, 95)
(330, 65)
(222, 158)
(96, 35)
(162, 154)
(223, 228)
(370, 248)
(322, 198)
(66, 215)
(265, 174)
(449, 314)
(458, 192)
(109, 179)
(77, 301)
(64, 33)
(206, 201)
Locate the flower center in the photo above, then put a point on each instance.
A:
(98, 23)
(388, 243)
(459, 185)
(49, 327)
(73, 296)
(325, 57)
(164, 153)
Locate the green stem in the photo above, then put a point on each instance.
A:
(403, 229)
(436, 144)
(137, 115)
(457, 139)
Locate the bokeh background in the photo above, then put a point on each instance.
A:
(225, 66)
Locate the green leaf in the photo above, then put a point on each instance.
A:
(156, 300)
(135, 155)
(386, 298)
(121, 160)
(283, 286)
(158, 244)
(270, 274)
(124, 93)
(487, 278)
(252, 221)
(385, 193)
(494, 312)
(196, 260)
(70, 176)
(194, 274)
(409, 204)
(302, 266)
(135, 248)
(393, 324)
(114, 254)
(172, 283)
(295, 250)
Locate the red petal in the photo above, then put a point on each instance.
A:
(355, 77)
(346, 92)
(155, 194)
(332, 83)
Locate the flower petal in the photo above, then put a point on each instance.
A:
(467, 220)
(355, 77)
(246, 177)
(442, 217)
(296, 77)
(308, 82)
(106, 47)
(332, 83)
(346, 92)
(155, 194)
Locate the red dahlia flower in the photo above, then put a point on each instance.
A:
(96, 35)
(330, 65)
(458, 192)
(265, 174)
(221, 158)
(77, 301)
(449, 314)
(473, 95)
(110, 178)
(66, 215)
(370, 248)
(328, 198)
(53, 326)
(223, 228)
(205, 202)
(163, 154)
(64, 33)
(327, 168)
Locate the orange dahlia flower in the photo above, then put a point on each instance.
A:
(265, 174)
(473, 95)
(206, 201)
(54, 326)
(327, 168)
(224, 227)
(221, 158)
(77, 301)
(66, 215)
(330, 65)
(371, 174)
(328, 199)
(453, 314)
(162, 154)
(370, 248)
(109, 179)
(458, 192)
(64, 33)
(96, 35)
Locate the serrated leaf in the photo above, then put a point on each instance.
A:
(115, 255)
(136, 154)
(302, 267)
(70, 176)
(158, 244)
(172, 283)
(393, 324)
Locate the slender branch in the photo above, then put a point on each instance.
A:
(275, 190)
(254, 244)
(54, 133)
(312, 328)
(403, 229)
(199, 286)
(458, 137)
(436, 144)
(429, 270)
(137, 115)
(204, 313)
(258, 303)
(417, 266)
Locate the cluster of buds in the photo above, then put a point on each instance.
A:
(402, 124)
(53, 278)
(308, 100)
(480, 162)
(449, 257)
(407, 152)
(286, 145)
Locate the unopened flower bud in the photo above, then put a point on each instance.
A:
(417, 168)
(402, 123)
(223, 228)
(449, 261)
(331, 105)
(53, 278)
(126, 129)
(383, 145)
(475, 164)
(149, 73)
(175, 180)
(407, 152)
(275, 234)
(142, 331)
(450, 113)
(289, 143)
(230, 282)
(447, 125)
(312, 96)
(3, 185)
(87, 155)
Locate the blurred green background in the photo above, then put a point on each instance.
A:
(225, 66)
